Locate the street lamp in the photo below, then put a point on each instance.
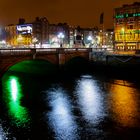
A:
(61, 37)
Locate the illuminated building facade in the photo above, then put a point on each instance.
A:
(11, 37)
(71, 36)
(95, 38)
(41, 30)
(18, 35)
(55, 30)
(127, 27)
(90, 36)
(26, 34)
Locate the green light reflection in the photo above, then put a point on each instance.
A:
(13, 95)
(14, 88)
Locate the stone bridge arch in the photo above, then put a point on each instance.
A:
(76, 55)
(58, 56)
(12, 60)
(65, 57)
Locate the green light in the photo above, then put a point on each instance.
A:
(136, 31)
(14, 89)
(12, 96)
(127, 15)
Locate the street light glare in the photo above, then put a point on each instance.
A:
(61, 35)
(122, 29)
(89, 38)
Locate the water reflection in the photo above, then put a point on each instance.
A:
(3, 135)
(89, 108)
(124, 104)
(12, 95)
(60, 117)
(90, 99)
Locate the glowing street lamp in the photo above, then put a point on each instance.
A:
(89, 38)
(61, 37)
(122, 30)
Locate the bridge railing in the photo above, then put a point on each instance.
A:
(17, 51)
(46, 49)
(26, 51)
(30, 51)
(77, 49)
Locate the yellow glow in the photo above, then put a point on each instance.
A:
(98, 39)
(20, 38)
(122, 30)
(127, 36)
(124, 105)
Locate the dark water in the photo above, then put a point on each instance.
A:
(86, 106)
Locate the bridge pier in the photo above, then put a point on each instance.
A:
(61, 59)
(33, 52)
(90, 56)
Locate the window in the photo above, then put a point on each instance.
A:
(131, 26)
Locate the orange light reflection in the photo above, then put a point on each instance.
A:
(124, 103)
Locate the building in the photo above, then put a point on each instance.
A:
(59, 34)
(87, 37)
(127, 27)
(109, 38)
(2, 37)
(26, 34)
(12, 38)
(41, 30)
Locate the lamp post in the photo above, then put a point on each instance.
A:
(61, 37)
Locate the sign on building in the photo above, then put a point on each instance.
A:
(24, 29)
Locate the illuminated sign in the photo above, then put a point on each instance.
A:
(128, 15)
(24, 29)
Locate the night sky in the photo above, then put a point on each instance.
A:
(85, 13)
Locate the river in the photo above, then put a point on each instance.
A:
(86, 106)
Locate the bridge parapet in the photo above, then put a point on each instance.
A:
(59, 56)
(20, 51)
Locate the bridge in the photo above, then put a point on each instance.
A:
(59, 56)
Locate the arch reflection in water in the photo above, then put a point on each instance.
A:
(90, 100)
(124, 103)
(60, 117)
(12, 96)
